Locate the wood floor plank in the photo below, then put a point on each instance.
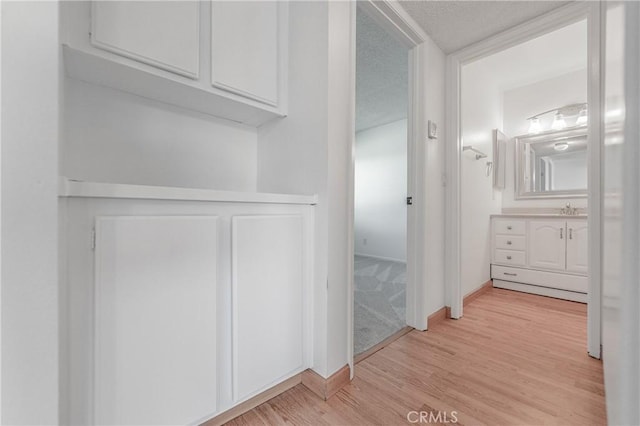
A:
(513, 359)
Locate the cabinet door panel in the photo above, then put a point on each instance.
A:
(244, 48)
(165, 34)
(577, 247)
(547, 244)
(155, 325)
(267, 282)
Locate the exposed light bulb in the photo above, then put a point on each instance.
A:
(534, 126)
(558, 122)
(561, 146)
(582, 117)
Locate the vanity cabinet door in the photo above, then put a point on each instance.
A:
(547, 244)
(577, 247)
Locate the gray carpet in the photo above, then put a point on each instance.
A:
(379, 302)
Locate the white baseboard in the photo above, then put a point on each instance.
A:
(391, 259)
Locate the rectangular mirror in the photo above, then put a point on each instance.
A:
(552, 164)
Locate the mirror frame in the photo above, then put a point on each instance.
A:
(551, 135)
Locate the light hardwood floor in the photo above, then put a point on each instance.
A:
(513, 359)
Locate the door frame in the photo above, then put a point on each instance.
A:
(391, 17)
(551, 21)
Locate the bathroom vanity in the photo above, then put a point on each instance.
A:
(541, 254)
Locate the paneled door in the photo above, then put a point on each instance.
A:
(155, 319)
(577, 246)
(547, 244)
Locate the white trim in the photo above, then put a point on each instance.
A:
(73, 188)
(351, 192)
(595, 100)
(544, 24)
(391, 16)
(453, 289)
(416, 298)
(63, 370)
(628, 337)
(373, 256)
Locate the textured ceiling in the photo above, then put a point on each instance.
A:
(455, 24)
(381, 75)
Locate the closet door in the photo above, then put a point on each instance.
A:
(547, 244)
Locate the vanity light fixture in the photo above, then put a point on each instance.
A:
(559, 123)
(582, 117)
(561, 146)
(535, 126)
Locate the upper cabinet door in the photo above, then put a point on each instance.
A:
(245, 48)
(577, 246)
(547, 244)
(165, 34)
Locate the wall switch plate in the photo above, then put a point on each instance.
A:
(432, 130)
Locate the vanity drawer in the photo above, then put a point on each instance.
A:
(509, 242)
(510, 257)
(509, 226)
(567, 282)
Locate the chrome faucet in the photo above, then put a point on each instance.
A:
(568, 210)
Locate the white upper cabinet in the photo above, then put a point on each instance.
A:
(165, 34)
(245, 49)
(228, 59)
(547, 244)
(577, 247)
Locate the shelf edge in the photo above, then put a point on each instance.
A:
(69, 188)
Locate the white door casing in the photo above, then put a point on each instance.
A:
(556, 19)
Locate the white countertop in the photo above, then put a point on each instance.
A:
(541, 215)
(74, 188)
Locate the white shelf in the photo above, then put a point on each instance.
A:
(74, 188)
(105, 69)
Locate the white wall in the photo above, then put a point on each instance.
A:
(481, 112)
(380, 191)
(521, 103)
(30, 132)
(431, 190)
(112, 136)
(293, 153)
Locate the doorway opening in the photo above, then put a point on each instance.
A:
(380, 184)
(525, 207)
